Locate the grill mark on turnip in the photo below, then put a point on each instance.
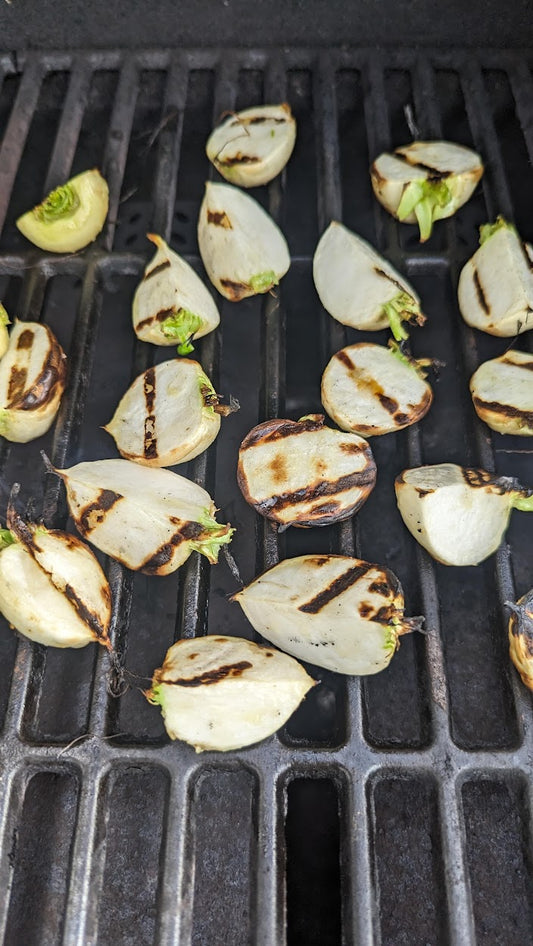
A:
(401, 419)
(345, 360)
(235, 289)
(219, 218)
(379, 588)
(423, 492)
(480, 478)
(157, 269)
(508, 410)
(434, 173)
(160, 316)
(271, 431)
(163, 555)
(211, 676)
(336, 588)
(391, 279)
(258, 120)
(318, 490)
(52, 375)
(25, 340)
(239, 158)
(365, 609)
(97, 510)
(150, 439)
(480, 293)
(16, 384)
(84, 613)
(390, 404)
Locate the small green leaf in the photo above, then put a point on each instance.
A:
(523, 500)
(423, 198)
(487, 230)
(6, 538)
(60, 203)
(216, 535)
(262, 282)
(182, 326)
(209, 395)
(402, 308)
(155, 695)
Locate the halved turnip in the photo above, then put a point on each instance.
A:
(334, 611)
(458, 514)
(52, 588)
(304, 473)
(70, 217)
(171, 305)
(148, 519)
(170, 414)
(521, 636)
(360, 288)
(495, 289)
(224, 693)
(32, 381)
(371, 390)
(251, 147)
(243, 250)
(502, 392)
(425, 181)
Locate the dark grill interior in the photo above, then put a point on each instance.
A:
(391, 810)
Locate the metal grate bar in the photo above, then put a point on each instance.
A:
(17, 130)
(69, 127)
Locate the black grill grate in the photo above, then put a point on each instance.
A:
(393, 810)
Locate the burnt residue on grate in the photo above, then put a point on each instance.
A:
(380, 814)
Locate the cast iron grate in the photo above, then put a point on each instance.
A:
(393, 810)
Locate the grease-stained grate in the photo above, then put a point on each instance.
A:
(393, 810)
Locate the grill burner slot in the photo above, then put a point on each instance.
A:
(389, 810)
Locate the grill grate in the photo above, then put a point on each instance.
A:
(393, 810)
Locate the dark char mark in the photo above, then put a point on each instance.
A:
(97, 510)
(433, 173)
(239, 158)
(157, 269)
(87, 616)
(272, 430)
(219, 217)
(389, 403)
(337, 587)
(158, 317)
(318, 490)
(506, 409)
(212, 676)
(481, 293)
(388, 278)
(189, 530)
(235, 289)
(345, 360)
(53, 374)
(150, 440)
(379, 588)
(25, 339)
(527, 365)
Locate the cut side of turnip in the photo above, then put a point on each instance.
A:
(150, 520)
(502, 392)
(360, 288)
(33, 374)
(458, 514)
(372, 390)
(334, 611)
(251, 147)
(304, 473)
(223, 693)
(169, 415)
(171, 305)
(495, 289)
(425, 181)
(242, 249)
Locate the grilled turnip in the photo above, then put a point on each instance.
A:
(171, 305)
(169, 415)
(148, 519)
(459, 515)
(32, 381)
(334, 611)
(70, 217)
(303, 473)
(425, 181)
(371, 390)
(52, 588)
(223, 693)
(521, 637)
(4, 334)
(359, 288)
(495, 289)
(251, 147)
(242, 249)
(502, 392)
